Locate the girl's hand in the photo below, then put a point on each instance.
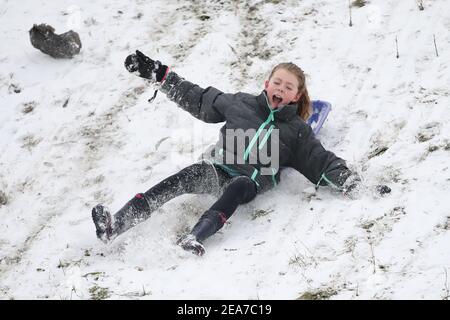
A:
(146, 67)
(353, 186)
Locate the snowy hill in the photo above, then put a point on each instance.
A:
(74, 133)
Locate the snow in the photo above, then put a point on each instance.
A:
(74, 133)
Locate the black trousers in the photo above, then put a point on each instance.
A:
(199, 178)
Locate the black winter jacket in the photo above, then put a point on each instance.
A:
(298, 148)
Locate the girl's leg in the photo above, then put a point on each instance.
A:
(240, 190)
(198, 178)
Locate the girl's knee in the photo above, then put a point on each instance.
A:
(244, 188)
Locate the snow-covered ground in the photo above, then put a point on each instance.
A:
(74, 133)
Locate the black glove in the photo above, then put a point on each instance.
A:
(353, 186)
(145, 67)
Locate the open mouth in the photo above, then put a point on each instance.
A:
(276, 100)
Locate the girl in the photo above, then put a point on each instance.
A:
(237, 169)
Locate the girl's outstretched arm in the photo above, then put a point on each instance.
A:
(324, 168)
(320, 166)
(205, 104)
(208, 104)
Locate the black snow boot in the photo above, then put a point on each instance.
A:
(133, 212)
(189, 243)
(108, 227)
(103, 223)
(210, 222)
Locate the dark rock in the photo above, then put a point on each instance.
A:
(64, 45)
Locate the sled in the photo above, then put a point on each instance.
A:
(320, 113)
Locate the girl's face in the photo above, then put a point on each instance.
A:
(282, 88)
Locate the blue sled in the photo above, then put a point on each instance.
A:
(320, 113)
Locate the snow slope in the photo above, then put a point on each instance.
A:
(74, 133)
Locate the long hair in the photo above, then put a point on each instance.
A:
(304, 103)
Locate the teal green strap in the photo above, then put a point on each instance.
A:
(273, 177)
(258, 133)
(253, 141)
(254, 174)
(264, 140)
(253, 177)
(323, 177)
